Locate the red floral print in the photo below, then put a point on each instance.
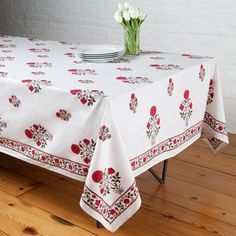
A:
(109, 180)
(153, 125)
(36, 85)
(211, 92)
(165, 146)
(133, 104)
(202, 73)
(124, 68)
(39, 155)
(39, 134)
(63, 114)
(134, 80)
(104, 133)
(3, 125)
(215, 124)
(120, 60)
(70, 54)
(82, 72)
(88, 97)
(39, 50)
(38, 73)
(39, 64)
(186, 107)
(110, 212)
(170, 87)
(157, 58)
(14, 101)
(194, 56)
(214, 142)
(167, 67)
(85, 148)
(97, 176)
(87, 81)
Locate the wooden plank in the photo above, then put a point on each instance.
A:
(41, 174)
(190, 196)
(182, 221)
(20, 218)
(204, 157)
(66, 206)
(155, 214)
(227, 150)
(14, 183)
(200, 176)
(3, 233)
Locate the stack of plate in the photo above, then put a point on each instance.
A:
(100, 53)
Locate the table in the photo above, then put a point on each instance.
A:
(105, 123)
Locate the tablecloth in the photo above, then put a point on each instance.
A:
(105, 123)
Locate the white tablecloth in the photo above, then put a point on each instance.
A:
(105, 123)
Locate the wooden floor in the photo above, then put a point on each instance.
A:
(199, 198)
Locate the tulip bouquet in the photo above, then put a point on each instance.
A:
(131, 19)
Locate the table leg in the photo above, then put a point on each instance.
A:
(161, 179)
(99, 224)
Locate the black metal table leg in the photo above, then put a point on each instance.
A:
(99, 224)
(161, 179)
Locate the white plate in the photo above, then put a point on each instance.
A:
(103, 56)
(101, 60)
(99, 49)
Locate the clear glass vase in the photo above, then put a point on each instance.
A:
(132, 40)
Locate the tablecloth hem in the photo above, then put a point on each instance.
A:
(119, 221)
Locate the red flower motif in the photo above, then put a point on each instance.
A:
(148, 125)
(111, 171)
(97, 202)
(181, 107)
(97, 176)
(75, 148)
(75, 91)
(31, 88)
(28, 133)
(190, 105)
(102, 190)
(153, 111)
(132, 96)
(112, 211)
(83, 100)
(186, 94)
(36, 127)
(126, 201)
(121, 78)
(86, 141)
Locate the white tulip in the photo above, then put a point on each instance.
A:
(142, 16)
(132, 13)
(126, 15)
(137, 13)
(120, 7)
(118, 17)
(126, 6)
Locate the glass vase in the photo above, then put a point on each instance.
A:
(132, 40)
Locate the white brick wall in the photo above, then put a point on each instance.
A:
(206, 27)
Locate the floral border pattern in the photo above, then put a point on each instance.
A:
(110, 212)
(215, 143)
(38, 155)
(215, 124)
(165, 146)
